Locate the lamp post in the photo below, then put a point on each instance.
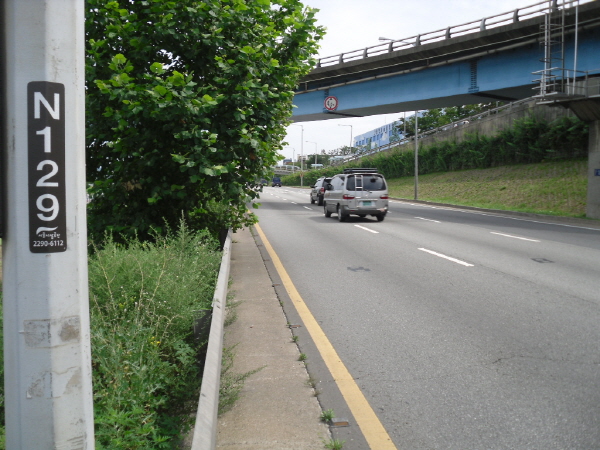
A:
(293, 159)
(416, 155)
(343, 125)
(301, 153)
(311, 142)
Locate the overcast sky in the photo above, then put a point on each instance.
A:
(355, 24)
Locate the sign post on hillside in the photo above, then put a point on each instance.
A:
(417, 155)
(48, 389)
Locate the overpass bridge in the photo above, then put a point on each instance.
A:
(550, 50)
(494, 58)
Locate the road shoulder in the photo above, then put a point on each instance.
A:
(277, 409)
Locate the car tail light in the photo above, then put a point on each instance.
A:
(384, 197)
(322, 190)
(348, 197)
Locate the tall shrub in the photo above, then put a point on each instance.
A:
(186, 105)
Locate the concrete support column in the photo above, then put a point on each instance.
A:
(593, 193)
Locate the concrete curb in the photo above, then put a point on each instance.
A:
(205, 429)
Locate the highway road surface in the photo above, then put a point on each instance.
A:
(462, 329)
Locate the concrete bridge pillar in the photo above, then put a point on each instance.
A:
(593, 192)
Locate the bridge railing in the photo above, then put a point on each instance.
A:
(575, 83)
(507, 18)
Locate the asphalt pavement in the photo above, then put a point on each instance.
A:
(277, 408)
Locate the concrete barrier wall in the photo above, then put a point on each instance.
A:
(493, 124)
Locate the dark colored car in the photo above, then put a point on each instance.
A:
(276, 181)
(317, 191)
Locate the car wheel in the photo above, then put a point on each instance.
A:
(327, 213)
(380, 217)
(312, 200)
(341, 217)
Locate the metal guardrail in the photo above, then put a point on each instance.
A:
(507, 18)
(574, 83)
(205, 428)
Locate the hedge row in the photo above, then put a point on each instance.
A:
(530, 140)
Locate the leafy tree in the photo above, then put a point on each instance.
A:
(187, 104)
(343, 150)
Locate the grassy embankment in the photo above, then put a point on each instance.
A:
(535, 166)
(555, 188)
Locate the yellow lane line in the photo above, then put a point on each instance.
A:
(374, 432)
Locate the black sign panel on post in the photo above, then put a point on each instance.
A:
(46, 167)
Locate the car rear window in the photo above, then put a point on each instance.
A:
(366, 183)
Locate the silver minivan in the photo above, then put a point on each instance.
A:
(359, 192)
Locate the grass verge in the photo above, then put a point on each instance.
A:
(555, 188)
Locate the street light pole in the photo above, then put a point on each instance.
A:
(344, 125)
(301, 153)
(416, 155)
(311, 142)
(293, 159)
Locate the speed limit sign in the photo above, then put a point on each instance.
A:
(331, 103)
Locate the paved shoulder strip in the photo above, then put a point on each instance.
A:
(372, 429)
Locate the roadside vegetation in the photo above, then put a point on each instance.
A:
(554, 188)
(187, 103)
(535, 166)
(144, 300)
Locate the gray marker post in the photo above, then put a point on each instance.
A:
(48, 384)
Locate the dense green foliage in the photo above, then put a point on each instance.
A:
(187, 103)
(144, 299)
(530, 140)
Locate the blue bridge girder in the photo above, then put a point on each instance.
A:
(487, 65)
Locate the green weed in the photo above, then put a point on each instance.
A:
(144, 300)
(334, 444)
(327, 415)
(312, 383)
(231, 383)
